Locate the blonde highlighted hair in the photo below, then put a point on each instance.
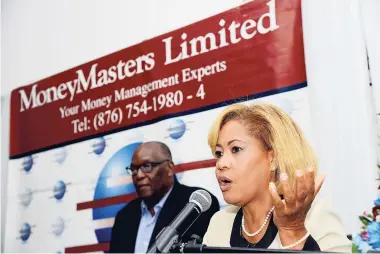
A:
(276, 130)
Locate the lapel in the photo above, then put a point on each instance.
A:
(171, 208)
(132, 226)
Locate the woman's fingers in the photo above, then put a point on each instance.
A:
(299, 197)
(310, 183)
(289, 194)
(277, 202)
(313, 184)
(301, 192)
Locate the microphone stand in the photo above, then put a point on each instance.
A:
(164, 240)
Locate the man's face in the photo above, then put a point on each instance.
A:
(155, 182)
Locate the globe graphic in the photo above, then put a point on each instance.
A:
(58, 226)
(117, 163)
(99, 145)
(26, 197)
(177, 128)
(60, 155)
(59, 190)
(25, 232)
(27, 163)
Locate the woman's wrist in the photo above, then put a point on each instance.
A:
(292, 236)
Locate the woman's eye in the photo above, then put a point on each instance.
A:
(236, 149)
(218, 154)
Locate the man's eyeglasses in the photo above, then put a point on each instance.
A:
(145, 168)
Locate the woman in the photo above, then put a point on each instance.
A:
(266, 169)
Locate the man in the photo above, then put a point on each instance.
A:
(160, 198)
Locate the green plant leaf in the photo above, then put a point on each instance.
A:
(364, 220)
(355, 249)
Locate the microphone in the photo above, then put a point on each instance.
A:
(199, 202)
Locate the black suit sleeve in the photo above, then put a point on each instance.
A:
(115, 235)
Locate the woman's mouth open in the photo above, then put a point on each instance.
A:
(224, 183)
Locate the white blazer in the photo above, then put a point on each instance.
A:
(322, 223)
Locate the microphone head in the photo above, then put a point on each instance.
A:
(202, 199)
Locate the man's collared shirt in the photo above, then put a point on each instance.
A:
(147, 224)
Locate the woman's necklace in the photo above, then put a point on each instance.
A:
(262, 226)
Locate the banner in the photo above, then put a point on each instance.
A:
(73, 134)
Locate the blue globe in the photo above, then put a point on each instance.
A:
(25, 232)
(117, 163)
(58, 226)
(61, 155)
(99, 145)
(27, 163)
(26, 197)
(177, 128)
(59, 190)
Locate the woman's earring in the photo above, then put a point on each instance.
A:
(273, 169)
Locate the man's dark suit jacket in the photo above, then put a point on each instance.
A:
(124, 231)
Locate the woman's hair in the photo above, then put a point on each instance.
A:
(277, 132)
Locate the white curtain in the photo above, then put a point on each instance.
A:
(337, 34)
(371, 21)
(4, 164)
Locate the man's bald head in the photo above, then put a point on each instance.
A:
(162, 148)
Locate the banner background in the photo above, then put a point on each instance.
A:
(86, 178)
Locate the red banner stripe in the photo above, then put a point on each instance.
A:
(195, 165)
(106, 201)
(88, 248)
